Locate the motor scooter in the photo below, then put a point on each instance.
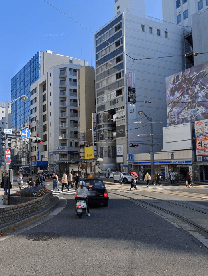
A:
(81, 206)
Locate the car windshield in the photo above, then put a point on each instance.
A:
(97, 183)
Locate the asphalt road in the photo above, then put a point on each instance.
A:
(122, 239)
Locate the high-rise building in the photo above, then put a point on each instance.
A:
(38, 65)
(54, 115)
(133, 57)
(180, 11)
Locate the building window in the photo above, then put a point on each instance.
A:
(143, 28)
(50, 74)
(166, 34)
(158, 32)
(118, 59)
(178, 3)
(200, 5)
(116, 1)
(118, 75)
(150, 30)
(118, 7)
(117, 27)
(207, 2)
(184, 1)
(178, 18)
(118, 43)
(185, 14)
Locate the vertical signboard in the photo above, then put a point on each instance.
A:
(201, 132)
(119, 153)
(131, 88)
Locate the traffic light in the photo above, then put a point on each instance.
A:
(133, 145)
(39, 140)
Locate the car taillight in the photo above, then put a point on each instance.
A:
(106, 194)
(79, 207)
(90, 186)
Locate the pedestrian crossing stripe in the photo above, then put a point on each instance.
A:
(65, 192)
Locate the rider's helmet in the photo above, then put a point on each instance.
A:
(81, 183)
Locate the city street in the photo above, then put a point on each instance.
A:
(122, 239)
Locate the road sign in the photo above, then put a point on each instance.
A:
(7, 131)
(8, 152)
(25, 133)
(8, 160)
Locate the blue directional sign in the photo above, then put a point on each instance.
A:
(25, 133)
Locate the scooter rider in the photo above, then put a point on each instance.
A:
(82, 193)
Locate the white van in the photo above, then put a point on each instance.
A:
(127, 178)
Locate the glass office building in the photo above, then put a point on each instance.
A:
(20, 85)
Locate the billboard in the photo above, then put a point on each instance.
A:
(201, 133)
(178, 137)
(187, 95)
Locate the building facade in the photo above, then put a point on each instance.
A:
(54, 116)
(36, 67)
(130, 78)
(181, 11)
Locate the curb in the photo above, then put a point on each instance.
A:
(5, 230)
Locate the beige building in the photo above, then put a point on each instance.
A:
(86, 108)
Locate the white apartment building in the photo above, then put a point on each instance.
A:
(54, 114)
(180, 11)
(133, 57)
(5, 123)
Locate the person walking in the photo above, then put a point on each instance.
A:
(55, 182)
(5, 183)
(20, 180)
(76, 180)
(64, 182)
(70, 179)
(188, 180)
(147, 178)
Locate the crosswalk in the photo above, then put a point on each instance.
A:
(65, 192)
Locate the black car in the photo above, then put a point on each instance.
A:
(97, 191)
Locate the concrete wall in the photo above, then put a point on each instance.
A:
(200, 36)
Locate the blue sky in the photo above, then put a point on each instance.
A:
(31, 26)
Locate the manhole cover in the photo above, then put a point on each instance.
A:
(42, 236)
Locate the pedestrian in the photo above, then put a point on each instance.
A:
(147, 178)
(64, 182)
(55, 182)
(157, 179)
(5, 183)
(172, 177)
(133, 182)
(188, 180)
(70, 179)
(121, 178)
(30, 181)
(43, 179)
(20, 180)
(76, 180)
(38, 181)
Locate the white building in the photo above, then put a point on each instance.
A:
(5, 123)
(54, 114)
(133, 57)
(180, 11)
(136, 7)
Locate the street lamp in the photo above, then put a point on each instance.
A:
(151, 144)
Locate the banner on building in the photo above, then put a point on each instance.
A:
(201, 133)
(131, 88)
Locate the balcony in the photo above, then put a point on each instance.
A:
(63, 125)
(74, 104)
(63, 73)
(63, 115)
(62, 103)
(62, 94)
(62, 83)
(63, 136)
(73, 124)
(73, 94)
(73, 83)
